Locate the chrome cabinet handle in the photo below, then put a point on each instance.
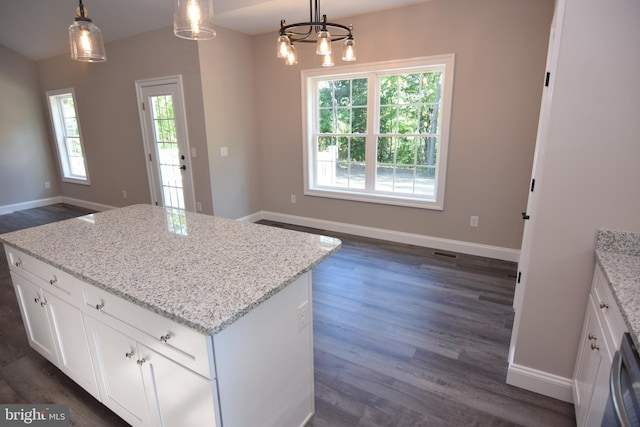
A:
(100, 306)
(604, 305)
(165, 338)
(43, 303)
(36, 300)
(129, 354)
(18, 263)
(595, 347)
(592, 337)
(53, 281)
(140, 362)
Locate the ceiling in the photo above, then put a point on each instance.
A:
(37, 29)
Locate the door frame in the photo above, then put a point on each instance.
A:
(183, 134)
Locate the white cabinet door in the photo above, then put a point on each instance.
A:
(592, 359)
(118, 372)
(74, 358)
(177, 396)
(36, 322)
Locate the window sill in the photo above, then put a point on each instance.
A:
(76, 181)
(383, 199)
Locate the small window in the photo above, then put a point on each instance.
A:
(379, 132)
(66, 127)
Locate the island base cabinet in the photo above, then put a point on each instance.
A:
(118, 370)
(56, 330)
(264, 362)
(34, 317)
(146, 388)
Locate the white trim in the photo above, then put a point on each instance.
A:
(86, 204)
(254, 217)
(540, 382)
(7, 209)
(469, 248)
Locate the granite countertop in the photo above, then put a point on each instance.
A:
(202, 271)
(618, 253)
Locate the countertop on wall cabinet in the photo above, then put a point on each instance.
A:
(202, 271)
(618, 253)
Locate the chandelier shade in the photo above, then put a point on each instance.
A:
(319, 31)
(85, 38)
(193, 19)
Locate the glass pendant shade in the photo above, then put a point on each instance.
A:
(349, 50)
(193, 19)
(283, 46)
(327, 61)
(85, 41)
(292, 55)
(323, 45)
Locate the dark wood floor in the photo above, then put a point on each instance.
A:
(403, 337)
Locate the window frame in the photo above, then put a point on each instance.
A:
(57, 120)
(309, 111)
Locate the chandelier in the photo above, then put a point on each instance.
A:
(85, 39)
(315, 31)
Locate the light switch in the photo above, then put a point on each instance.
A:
(224, 151)
(193, 151)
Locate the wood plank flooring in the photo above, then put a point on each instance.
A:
(402, 337)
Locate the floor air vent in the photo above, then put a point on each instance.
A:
(445, 254)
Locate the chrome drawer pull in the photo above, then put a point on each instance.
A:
(18, 263)
(53, 281)
(165, 338)
(129, 354)
(604, 305)
(594, 347)
(140, 361)
(592, 337)
(100, 306)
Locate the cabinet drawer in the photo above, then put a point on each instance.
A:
(608, 311)
(178, 342)
(48, 277)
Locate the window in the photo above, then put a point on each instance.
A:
(379, 132)
(66, 127)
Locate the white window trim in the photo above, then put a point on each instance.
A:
(352, 71)
(54, 115)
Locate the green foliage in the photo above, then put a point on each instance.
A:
(409, 106)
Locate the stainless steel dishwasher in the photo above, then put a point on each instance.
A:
(623, 406)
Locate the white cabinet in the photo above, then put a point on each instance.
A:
(146, 388)
(601, 337)
(55, 328)
(153, 371)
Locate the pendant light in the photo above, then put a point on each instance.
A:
(318, 26)
(85, 39)
(193, 19)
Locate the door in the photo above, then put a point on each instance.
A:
(36, 322)
(119, 377)
(71, 342)
(164, 131)
(177, 396)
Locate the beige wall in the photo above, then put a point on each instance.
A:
(500, 48)
(228, 85)
(589, 176)
(108, 113)
(26, 157)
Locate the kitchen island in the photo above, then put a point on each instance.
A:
(174, 318)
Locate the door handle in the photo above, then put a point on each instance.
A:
(183, 167)
(525, 216)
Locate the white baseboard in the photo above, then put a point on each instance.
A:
(7, 209)
(86, 204)
(541, 382)
(469, 248)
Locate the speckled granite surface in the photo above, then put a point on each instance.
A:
(618, 253)
(202, 271)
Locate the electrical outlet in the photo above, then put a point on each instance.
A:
(303, 315)
(199, 206)
(124, 194)
(474, 221)
(47, 185)
(293, 198)
(193, 152)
